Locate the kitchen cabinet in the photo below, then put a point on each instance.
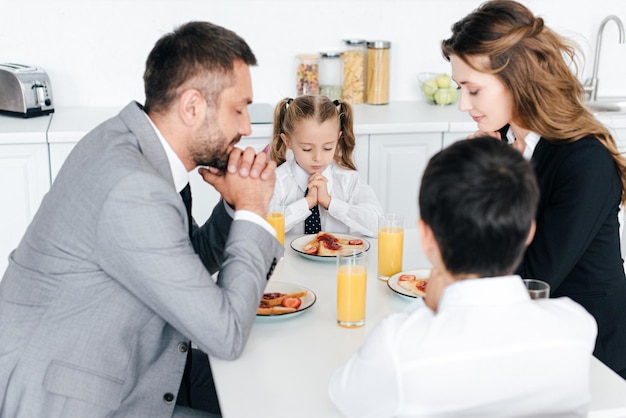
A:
(24, 180)
(360, 156)
(24, 177)
(58, 153)
(396, 164)
(450, 138)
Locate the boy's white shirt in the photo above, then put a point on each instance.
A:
(489, 351)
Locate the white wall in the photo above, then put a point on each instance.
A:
(94, 50)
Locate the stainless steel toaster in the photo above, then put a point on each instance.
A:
(24, 91)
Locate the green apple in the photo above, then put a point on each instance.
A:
(444, 96)
(455, 94)
(443, 81)
(429, 87)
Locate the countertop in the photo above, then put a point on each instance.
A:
(69, 124)
(16, 130)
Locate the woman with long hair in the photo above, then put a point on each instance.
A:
(518, 82)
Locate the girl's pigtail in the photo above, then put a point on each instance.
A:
(278, 150)
(346, 141)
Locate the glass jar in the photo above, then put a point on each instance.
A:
(378, 72)
(307, 77)
(331, 75)
(354, 76)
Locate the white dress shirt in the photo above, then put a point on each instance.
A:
(354, 207)
(531, 140)
(489, 351)
(181, 178)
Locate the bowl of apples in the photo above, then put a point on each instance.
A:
(438, 88)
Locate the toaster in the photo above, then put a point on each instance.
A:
(25, 91)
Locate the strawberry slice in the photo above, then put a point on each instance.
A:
(292, 303)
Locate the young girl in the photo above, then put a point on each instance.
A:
(320, 181)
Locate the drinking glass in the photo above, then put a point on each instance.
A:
(390, 245)
(537, 289)
(276, 218)
(351, 288)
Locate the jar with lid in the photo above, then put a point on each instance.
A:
(307, 77)
(377, 72)
(331, 75)
(354, 75)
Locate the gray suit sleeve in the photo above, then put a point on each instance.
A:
(143, 245)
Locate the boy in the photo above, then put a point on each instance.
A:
(477, 345)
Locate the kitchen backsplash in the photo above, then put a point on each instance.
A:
(94, 51)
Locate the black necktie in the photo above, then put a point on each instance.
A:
(186, 195)
(201, 396)
(312, 224)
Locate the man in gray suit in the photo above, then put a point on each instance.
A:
(106, 289)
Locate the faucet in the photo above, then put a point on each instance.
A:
(591, 84)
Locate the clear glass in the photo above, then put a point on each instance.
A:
(331, 75)
(390, 245)
(537, 289)
(276, 218)
(354, 59)
(307, 75)
(378, 72)
(351, 288)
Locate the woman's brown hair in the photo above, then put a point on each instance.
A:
(534, 63)
(289, 112)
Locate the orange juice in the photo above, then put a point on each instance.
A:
(351, 285)
(390, 246)
(277, 220)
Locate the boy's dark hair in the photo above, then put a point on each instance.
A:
(479, 197)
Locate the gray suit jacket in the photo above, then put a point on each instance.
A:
(105, 289)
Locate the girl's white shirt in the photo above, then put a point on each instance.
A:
(354, 207)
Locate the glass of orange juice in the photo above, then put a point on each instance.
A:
(351, 286)
(390, 245)
(276, 218)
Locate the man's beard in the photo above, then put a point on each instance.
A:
(217, 158)
(212, 151)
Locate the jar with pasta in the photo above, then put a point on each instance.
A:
(354, 76)
(307, 77)
(377, 72)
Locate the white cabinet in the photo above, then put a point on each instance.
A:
(451, 137)
(58, 153)
(24, 180)
(396, 164)
(360, 156)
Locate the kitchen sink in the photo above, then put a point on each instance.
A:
(602, 106)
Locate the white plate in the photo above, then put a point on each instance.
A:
(284, 287)
(298, 244)
(393, 281)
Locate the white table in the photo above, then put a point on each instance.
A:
(286, 366)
